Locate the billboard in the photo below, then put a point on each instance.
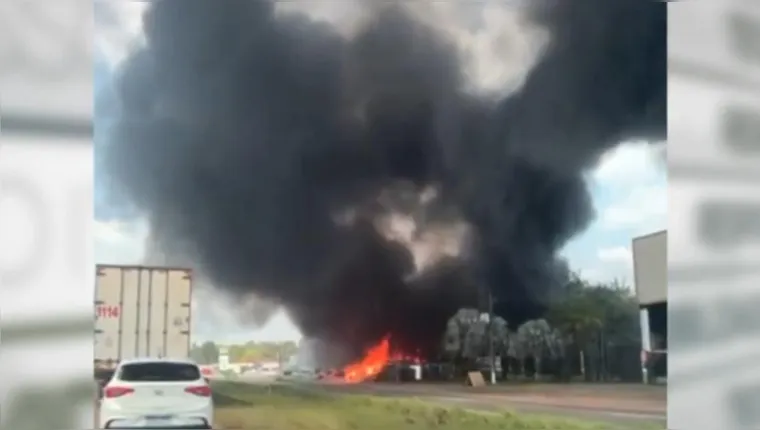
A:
(650, 267)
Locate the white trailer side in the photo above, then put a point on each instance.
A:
(141, 311)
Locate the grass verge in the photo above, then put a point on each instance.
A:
(245, 406)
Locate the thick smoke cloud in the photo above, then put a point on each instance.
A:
(271, 149)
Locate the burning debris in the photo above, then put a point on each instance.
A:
(274, 151)
(369, 366)
(375, 360)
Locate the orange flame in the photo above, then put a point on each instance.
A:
(374, 361)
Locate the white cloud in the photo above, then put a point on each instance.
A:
(111, 232)
(630, 192)
(593, 275)
(630, 164)
(223, 318)
(118, 25)
(278, 328)
(640, 209)
(633, 188)
(605, 264)
(620, 255)
(117, 242)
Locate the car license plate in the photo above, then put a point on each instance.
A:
(158, 420)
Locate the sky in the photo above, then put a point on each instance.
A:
(629, 189)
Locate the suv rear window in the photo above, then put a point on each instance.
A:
(144, 372)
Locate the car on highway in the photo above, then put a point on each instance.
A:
(300, 374)
(157, 393)
(331, 374)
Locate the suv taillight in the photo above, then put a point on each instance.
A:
(200, 390)
(111, 392)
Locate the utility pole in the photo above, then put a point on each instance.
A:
(487, 294)
(491, 356)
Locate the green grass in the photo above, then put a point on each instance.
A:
(243, 406)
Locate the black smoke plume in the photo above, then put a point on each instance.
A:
(270, 147)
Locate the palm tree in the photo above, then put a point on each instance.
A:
(501, 340)
(460, 338)
(557, 343)
(475, 344)
(537, 335)
(517, 350)
(557, 349)
(452, 339)
(500, 333)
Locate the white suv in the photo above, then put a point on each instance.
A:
(157, 393)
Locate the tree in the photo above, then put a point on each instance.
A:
(262, 351)
(602, 314)
(210, 352)
(557, 348)
(461, 340)
(557, 341)
(501, 338)
(620, 311)
(474, 340)
(206, 353)
(196, 354)
(452, 339)
(578, 315)
(516, 350)
(537, 335)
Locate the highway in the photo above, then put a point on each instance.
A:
(612, 403)
(609, 403)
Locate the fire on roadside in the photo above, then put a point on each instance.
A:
(374, 362)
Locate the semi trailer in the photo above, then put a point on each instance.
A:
(140, 311)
